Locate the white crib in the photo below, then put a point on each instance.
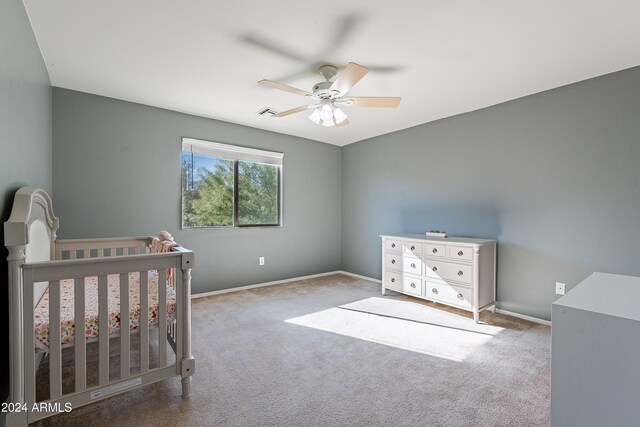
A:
(44, 271)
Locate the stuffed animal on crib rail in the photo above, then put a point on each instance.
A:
(163, 243)
(164, 235)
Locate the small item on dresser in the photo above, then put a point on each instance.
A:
(436, 233)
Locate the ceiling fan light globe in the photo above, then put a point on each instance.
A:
(326, 112)
(327, 123)
(315, 116)
(339, 115)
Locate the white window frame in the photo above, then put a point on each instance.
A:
(235, 153)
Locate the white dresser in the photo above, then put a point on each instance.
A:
(456, 271)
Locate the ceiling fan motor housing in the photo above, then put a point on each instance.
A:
(323, 90)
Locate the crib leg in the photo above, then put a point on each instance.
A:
(186, 387)
(188, 369)
(188, 361)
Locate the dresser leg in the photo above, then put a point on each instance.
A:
(493, 309)
(476, 315)
(383, 291)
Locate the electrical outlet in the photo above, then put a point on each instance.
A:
(261, 260)
(560, 288)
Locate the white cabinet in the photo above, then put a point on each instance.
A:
(456, 271)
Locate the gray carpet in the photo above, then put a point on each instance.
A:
(332, 351)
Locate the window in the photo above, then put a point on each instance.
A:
(229, 186)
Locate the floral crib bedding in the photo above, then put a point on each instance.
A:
(41, 314)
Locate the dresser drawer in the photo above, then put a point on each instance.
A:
(400, 283)
(435, 250)
(412, 285)
(412, 248)
(449, 271)
(412, 265)
(463, 253)
(393, 280)
(393, 261)
(450, 294)
(392, 246)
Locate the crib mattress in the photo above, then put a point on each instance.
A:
(41, 314)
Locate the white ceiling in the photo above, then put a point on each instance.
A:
(443, 58)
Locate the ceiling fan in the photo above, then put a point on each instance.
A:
(329, 96)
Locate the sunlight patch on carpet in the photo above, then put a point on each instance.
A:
(403, 324)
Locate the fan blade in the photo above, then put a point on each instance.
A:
(293, 111)
(373, 101)
(284, 87)
(342, 123)
(351, 75)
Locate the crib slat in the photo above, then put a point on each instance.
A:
(162, 317)
(100, 253)
(72, 254)
(125, 341)
(112, 252)
(29, 342)
(144, 321)
(103, 331)
(80, 338)
(55, 356)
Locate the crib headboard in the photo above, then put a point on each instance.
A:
(30, 232)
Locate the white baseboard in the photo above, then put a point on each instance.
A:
(523, 316)
(260, 285)
(358, 276)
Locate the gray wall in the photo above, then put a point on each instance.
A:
(25, 132)
(117, 173)
(555, 177)
(595, 344)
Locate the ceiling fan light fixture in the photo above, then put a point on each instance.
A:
(315, 116)
(327, 115)
(339, 115)
(326, 112)
(329, 95)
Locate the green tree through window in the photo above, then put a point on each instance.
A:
(218, 192)
(257, 193)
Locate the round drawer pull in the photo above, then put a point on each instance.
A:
(413, 285)
(393, 245)
(460, 296)
(413, 247)
(435, 268)
(393, 280)
(460, 253)
(393, 261)
(413, 265)
(435, 291)
(435, 251)
(460, 273)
